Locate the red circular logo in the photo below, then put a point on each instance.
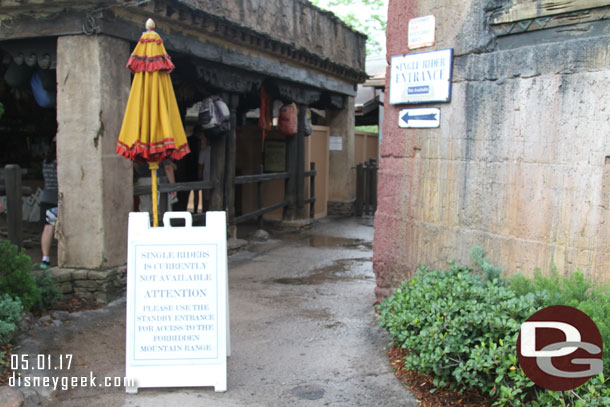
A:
(560, 348)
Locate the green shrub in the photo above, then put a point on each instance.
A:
(10, 316)
(15, 278)
(49, 290)
(576, 291)
(460, 329)
(487, 270)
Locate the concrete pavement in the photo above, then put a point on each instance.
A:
(303, 332)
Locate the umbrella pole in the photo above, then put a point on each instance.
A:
(153, 166)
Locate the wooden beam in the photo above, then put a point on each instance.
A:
(233, 100)
(290, 189)
(260, 212)
(217, 171)
(300, 164)
(248, 179)
(25, 26)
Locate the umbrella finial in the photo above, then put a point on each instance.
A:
(150, 24)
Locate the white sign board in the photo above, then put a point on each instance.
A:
(336, 143)
(177, 303)
(421, 78)
(421, 32)
(419, 118)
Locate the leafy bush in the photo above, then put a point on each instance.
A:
(15, 278)
(49, 290)
(462, 329)
(576, 291)
(10, 316)
(488, 270)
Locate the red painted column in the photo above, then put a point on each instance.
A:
(396, 174)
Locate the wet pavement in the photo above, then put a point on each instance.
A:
(303, 332)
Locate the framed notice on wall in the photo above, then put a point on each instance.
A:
(177, 303)
(275, 156)
(421, 77)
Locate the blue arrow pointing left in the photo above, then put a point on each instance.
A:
(407, 117)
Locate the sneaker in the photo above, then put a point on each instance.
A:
(45, 265)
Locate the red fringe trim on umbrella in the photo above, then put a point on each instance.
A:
(156, 152)
(137, 63)
(158, 41)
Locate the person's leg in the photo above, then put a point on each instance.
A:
(195, 200)
(45, 243)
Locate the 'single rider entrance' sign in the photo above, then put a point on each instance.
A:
(177, 303)
(421, 78)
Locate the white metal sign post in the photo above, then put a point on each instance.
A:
(177, 303)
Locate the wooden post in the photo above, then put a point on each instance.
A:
(312, 191)
(300, 164)
(259, 199)
(217, 171)
(290, 191)
(367, 188)
(230, 165)
(359, 188)
(14, 203)
(374, 168)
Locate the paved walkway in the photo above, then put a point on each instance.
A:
(303, 332)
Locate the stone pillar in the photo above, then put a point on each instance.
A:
(95, 183)
(341, 182)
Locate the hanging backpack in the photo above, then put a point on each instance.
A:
(214, 116)
(43, 97)
(307, 126)
(287, 121)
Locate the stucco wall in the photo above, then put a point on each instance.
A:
(521, 162)
(341, 167)
(95, 183)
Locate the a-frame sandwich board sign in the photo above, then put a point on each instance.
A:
(177, 303)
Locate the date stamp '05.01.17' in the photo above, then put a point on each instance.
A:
(26, 371)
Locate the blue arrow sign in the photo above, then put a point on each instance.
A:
(407, 117)
(427, 117)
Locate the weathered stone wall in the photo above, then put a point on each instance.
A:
(99, 285)
(295, 22)
(521, 162)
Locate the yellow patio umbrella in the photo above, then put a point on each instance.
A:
(152, 129)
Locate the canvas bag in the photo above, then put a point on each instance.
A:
(287, 121)
(43, 97)
(307, 126)
(214, 116)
